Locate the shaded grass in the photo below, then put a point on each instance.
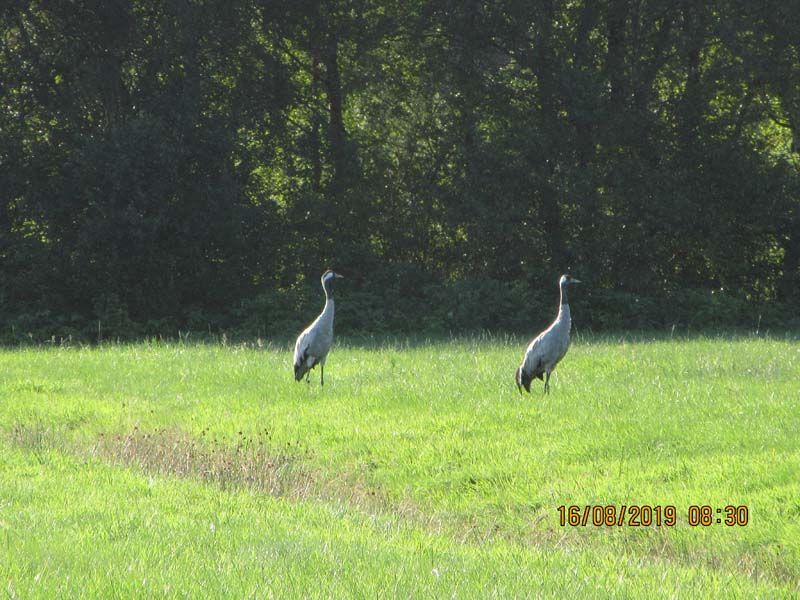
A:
(437, 433)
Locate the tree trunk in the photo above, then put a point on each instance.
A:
(692, 102)
(337, 136)
(615, 58)
(790, 278)
(544, 65)
(316, 129)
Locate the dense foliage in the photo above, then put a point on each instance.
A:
(180, 164)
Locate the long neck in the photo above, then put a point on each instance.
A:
(329, 306)
(327, 312)
(564, 316)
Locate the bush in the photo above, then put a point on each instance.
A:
(410, 302)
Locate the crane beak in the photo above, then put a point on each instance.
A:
(575, 281)
(339, 276)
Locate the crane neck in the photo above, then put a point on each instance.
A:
(329, 306)
(564, 299)
(328, 289)
(326, 316)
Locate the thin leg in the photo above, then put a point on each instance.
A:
(308, 376)
(322, 374)
(547, 383)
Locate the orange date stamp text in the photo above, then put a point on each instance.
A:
(648, 515)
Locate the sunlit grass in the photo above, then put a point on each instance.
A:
(430, 439)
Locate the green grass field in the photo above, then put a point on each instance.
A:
(170, 470)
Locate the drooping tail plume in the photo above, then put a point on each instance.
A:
(299, 371)
(523, 380)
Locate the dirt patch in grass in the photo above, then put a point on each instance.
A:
(251, 462)
(248, 461)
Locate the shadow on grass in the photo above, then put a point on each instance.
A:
(363, 341)
(579, 336)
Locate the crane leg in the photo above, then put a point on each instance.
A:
(322, 374)
(547, 383)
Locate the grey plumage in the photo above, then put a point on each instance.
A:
(313, 344)
(549, 347)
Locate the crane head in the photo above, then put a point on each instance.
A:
(567, 279)
(330, 276)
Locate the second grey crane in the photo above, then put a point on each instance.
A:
(549, 347)
(313, 344)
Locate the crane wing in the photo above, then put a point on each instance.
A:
(532, 363)
(301, 356)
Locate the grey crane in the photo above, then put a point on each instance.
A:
(312, 346)
(549, 347)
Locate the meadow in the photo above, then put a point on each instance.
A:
(190, 470)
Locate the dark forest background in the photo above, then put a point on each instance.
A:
(192, 165)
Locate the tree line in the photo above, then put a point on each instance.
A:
(195, 165)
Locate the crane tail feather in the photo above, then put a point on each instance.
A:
(301, 368)
(523, 380)
(304, 366)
